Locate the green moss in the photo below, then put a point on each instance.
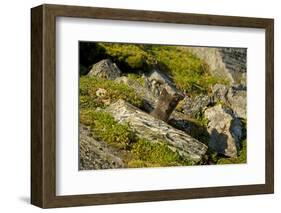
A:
(114, 91)
(201, 119)
(143, 153)
(128, 56)
(137, 78)
(155, 154)
(107, 129)
(141, 164)
(180, 106)
(190, 73)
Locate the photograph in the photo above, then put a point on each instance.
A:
(152, 105)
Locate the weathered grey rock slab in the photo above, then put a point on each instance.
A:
(238, 102)
(96, 154)
(235, 97)
(105, 69)
(155, 130)
(225, 130)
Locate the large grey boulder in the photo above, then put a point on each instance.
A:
(227, 63)
(235, 97)
(96, 154)
(146, 126)
(214, 59)
(225, 130)
(238, 101)
(105, 69)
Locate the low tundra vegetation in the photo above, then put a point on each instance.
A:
(143, 153)
(137, 78)
(105, 128)
(112, 91)
(190, 73)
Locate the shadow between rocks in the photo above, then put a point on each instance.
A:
(218, 141)
(192, 128)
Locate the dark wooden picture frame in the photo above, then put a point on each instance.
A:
(43, 105)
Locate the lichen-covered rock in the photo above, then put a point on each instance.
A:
(96, 154)
(192, 106)
(235, 97)
(156, 130)
(149, 99)
(105, 69)
(225, 130)
(220, 92)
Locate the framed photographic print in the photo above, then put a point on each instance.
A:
(136, 106)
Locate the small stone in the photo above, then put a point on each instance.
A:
(101, 92)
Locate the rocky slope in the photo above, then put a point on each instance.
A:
(201, 128)
(96, 154)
